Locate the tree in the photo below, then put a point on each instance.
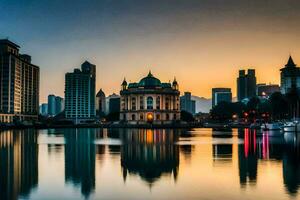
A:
(113, 116)
(186, 116)
(279, 106)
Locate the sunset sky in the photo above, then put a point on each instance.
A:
(202, 42)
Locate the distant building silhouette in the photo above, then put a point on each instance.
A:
(59, 104)
(44, 109)
(80, 93)
(100, 103)
(113, 103)
(246, 84)
(221, 95)
(289, 77)
(19, 82)
(51, 105)
(187, 104)
(266, 90)
(55, 105)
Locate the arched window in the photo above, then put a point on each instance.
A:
(141, 117)
(133, 117)
(167, 103)
(158, 103)
(141, 103)
(157, 117)
(133, 103)
(149, 103)
(167, 116)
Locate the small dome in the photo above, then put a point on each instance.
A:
(149, 81)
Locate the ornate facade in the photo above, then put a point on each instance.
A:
(150, 101)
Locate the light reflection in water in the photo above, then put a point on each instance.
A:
(152, 156)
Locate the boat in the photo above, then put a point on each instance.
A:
(292, 126)
(272, 126)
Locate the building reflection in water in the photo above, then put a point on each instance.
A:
(186, 149)
(248, 158)
(222, 150)
(149, 153)
(284, 147)
(80, 159)
(291, 162)
(18, 163)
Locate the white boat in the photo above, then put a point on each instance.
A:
(293, 126)
(272, 126)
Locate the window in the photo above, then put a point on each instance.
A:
(167, 116)
(133, 103)
(167, 103)
(133, 117)
(141, 117)
(158, 103)
(157, 117)
(149, 103)
(141, 103)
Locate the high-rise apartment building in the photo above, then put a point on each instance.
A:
(19, 84)
(80, 93)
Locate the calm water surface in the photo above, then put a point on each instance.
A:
(148, 164)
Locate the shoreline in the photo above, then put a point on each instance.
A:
(127, 126)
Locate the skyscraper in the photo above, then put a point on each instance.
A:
(44, 109)
(100, 103)
(289, 77)
(51, 105)
(187, 104)
(19, 84)
(221, 95)
(246, 84)
(80, 93)
(55, 105)
(59, 105)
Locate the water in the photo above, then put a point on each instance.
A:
(148, 164)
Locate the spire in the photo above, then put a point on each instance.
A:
(124, 81)
(174, 81)
(100, 93)
(290, 62)
(150, 74)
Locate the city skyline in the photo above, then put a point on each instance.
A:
(190, 40)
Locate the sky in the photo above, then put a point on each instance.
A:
(203, 43)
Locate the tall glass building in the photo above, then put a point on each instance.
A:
(80, 93)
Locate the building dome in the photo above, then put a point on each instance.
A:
(149, 81)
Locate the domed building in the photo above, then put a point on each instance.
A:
(150, 101)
